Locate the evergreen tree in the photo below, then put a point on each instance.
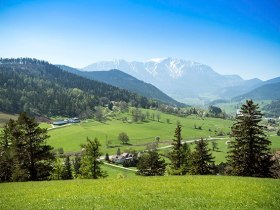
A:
(186, 159)
(57, 168)
(214, 146)
(180, 154)
(6, 155)
(66, 170)
(118, 151)
(150, 164)
(249, 154)
(32, 152)
(77, 162)
(90, 167)
(202, 160)
(107, 158)
(23, 144)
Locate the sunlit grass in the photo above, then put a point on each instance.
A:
(187, 192)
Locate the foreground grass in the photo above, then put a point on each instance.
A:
(188, 192)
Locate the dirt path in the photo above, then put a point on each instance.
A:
(194, 140)
(117, 166)
(56, 127)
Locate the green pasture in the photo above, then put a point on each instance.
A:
(71, 137)
(6, 117)
(169, 192)
(230, 107)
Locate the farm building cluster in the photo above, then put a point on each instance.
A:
(125, 159)
(66, 121)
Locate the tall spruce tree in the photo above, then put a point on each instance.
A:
(66, 169)
(249, 153)
(6, 154)
(150, 164)
(90, 167)
(202, 160)
(27, 149)
(31, 149)
(77, 165)
(180, 154)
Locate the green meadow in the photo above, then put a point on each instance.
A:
(71, 137)
(6, 117)
(169, 192)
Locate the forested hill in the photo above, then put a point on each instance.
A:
(272, 109)
(123, 80)
(41, 88)
(270, 91)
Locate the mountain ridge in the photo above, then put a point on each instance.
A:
(180, 79)
(268, 91)
(125, 81)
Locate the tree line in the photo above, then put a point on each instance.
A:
(249, 153)
(25, 156)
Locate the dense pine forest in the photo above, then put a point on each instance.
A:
(272, 109)
(40, 88)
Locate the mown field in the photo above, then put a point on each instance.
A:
(187, 192)
(71, 137)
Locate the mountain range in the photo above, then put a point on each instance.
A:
(183, 80)
(125, 81)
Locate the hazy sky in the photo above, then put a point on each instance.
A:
(233, 36)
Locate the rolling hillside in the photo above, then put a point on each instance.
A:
(125, 81)
(269, 91)
(38, 87)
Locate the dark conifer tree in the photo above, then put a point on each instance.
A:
(150, 164)
(77, 165)
(249, 153)
(180, 154)
(186, 159)
(31, 150)
(66, 170)
(202, 160)
(107, 158)
(118, 151)
(175, 156)
(27, 149)
(90, 167)
(6, 153)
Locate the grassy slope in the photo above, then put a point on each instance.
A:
(230, 107)
(187, 192)
(72, 136)
(5, 118)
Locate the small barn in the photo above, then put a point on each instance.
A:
(60, 122)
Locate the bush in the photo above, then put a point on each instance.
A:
(123, 137)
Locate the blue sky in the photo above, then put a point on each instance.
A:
(233, 37)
